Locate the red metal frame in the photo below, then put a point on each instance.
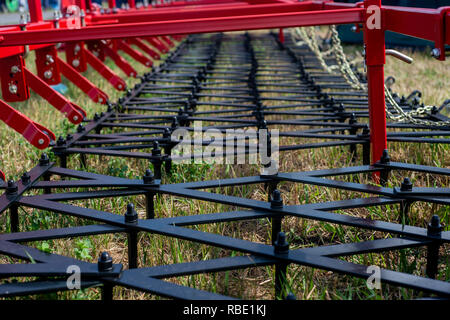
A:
(123, 28)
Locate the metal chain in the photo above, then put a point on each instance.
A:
(308, 36)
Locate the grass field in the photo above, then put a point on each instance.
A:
(431, 77)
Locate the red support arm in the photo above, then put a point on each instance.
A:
(84, 84)
(73, 112)
(35, 9)
(2, 176)
(422, 23)
(120, 62)
(154, 41)
(136, 55)
(167, 40)
(141, 45)
(37, 135)
(104, 71)
(375, 60)
(281, 35)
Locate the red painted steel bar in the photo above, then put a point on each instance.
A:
(281, 35)
(84, 84)
(136, 55)
(434, 24)
(104, 71)
(36, 134)
(34, 6)
(73, 112)
(119, 61)
(154, 41)
(147, 49)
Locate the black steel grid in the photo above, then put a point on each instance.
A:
(240, 82)
(151, 278)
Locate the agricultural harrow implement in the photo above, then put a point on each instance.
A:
(252, 82)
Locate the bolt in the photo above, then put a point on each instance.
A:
(262, 124)
(15, 69)
(105, 262)
(406, 185)
(76, 49)
(11, 188)
(281, 245)
(119, 87)
(41, 141)
(80, 128)
(60, 141)
(276, 201)
(434, 227)
(100, 100)
(56, 15)
(26, 178)
(436, 53)
(48, 74)
(148, 177)
(385, 157)
(22, 19)
(13, 88)
(75, 118)
(131, 216)
(291, 296)
(44, 160)
(156, 151)
(76, 63)
(49, 58)
(166, 133)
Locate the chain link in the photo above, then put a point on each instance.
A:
(307, 35)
